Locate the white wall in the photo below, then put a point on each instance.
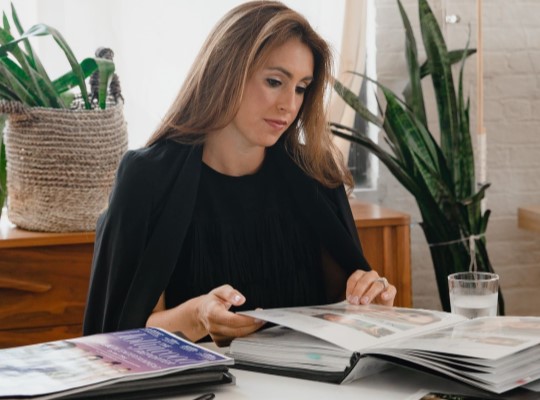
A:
(154, 42)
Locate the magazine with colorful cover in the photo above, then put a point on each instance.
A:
(106, 364)
(343, 342)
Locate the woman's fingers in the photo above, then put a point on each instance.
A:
(365, 287)
(223, 334)
(228, 295)
(221, 324)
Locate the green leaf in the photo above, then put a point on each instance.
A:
(33, 59)
(410, 139)
(414, 99)
(31, 84)
(465, 174)
(7, 78)
(392, 163)
(70, 80)
(44, 30)
(455, 56)
(7, 94)
(443, 83)
(352, 101)
(106, 72)
(5, 21)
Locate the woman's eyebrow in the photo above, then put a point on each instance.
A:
(288, 74)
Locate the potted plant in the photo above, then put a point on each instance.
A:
(62, 142)
(441, 176)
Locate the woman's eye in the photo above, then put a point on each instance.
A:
(273, 82)
(301, 89)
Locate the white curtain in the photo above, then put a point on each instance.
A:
(352, 57)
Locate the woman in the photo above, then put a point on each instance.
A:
(237, 201)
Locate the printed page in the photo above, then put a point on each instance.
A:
(488, 338)
(357, 327)
(494, 353)
(282, 347)
(98, 360)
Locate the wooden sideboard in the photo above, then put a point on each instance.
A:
(43, 284)
(385, 237)
(44, 276)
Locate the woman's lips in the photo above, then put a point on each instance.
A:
(276, 123)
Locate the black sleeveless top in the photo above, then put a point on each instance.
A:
(246, 232)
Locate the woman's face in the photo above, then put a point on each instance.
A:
(273, 95)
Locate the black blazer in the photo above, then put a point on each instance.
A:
(140, 235)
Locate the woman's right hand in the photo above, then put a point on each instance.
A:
(221, 324)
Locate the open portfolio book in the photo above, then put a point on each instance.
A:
(342, 342)
(128, 364)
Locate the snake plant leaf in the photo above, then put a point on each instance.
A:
(473, 205)
(443, 83)
(395, 139)
(478, 196)
(352, 100)
(416, 99)
(391, 163)
(435, 185)
(418, 133)
(454, 56)
(412, 139)
(465, 177)
(484, 221)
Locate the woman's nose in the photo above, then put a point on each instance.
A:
(287, 101)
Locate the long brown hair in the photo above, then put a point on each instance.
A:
(238, 45)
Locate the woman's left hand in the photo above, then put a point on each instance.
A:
(365, 287)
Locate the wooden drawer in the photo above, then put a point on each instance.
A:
(22, 337)
(43, 287)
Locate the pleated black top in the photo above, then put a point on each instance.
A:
(246, 232)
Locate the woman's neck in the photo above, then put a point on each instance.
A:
(231, 158)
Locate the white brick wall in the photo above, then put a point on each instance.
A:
(512, 120)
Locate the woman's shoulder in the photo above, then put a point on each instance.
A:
(159, 157)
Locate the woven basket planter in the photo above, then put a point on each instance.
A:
(61, 165)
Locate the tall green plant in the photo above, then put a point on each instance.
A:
(441, 176)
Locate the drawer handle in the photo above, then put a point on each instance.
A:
(24, 286)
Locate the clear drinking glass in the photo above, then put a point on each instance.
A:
(473, 294)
